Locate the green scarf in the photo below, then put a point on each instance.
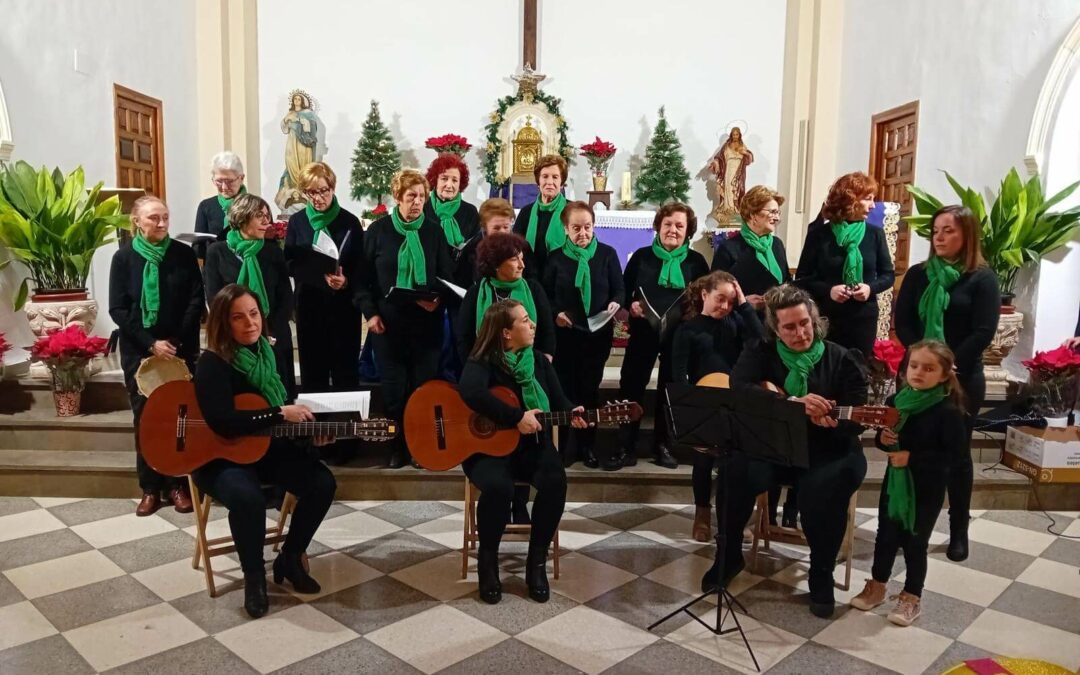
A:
(519, 290)
(250, 272)
(260, 369)
(555, 234)
(942, 276)
(899, 483)
(445, 211)
(320, 219)
(799, 365)
(523, 367)
(411, 262)
(671, 275)
(911, 401)
(583, 278)
(226, 202)
(762, 245)
(849, 236)
(151, 276)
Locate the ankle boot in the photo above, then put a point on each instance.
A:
(958, 543)
(289, 566)
(536, 573)
(256, 603)
(588, 458)
(628, 436)
(702, 524)
(487, 574)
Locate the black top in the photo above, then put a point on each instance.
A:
(934, 437)
(643, 272)
(468, 220)
(303, 263)
(222, 267)
(465, 331)
(543, 220)
(216, 384)
(734, 255)
(970, 320)
(704, 345)
(182, 301)
(821, 266)
(839, 376)
(606, 283)
(209, 217)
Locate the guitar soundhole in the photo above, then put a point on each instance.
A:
(482, 427)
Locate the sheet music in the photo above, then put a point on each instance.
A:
(601, 319)
(458, 290)
(324, 244)
(337, 401)
(659, 321)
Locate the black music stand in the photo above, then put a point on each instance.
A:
(727, 422)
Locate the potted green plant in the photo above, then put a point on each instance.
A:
(1018, 229)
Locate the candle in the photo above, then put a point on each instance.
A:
(626, 188)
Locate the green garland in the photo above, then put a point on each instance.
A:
(493, 149)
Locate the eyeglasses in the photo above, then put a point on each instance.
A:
(312, 194)
(226, 182)
(771, 212)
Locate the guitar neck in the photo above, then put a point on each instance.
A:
(842, 412)
(310, 429)
(564, 417)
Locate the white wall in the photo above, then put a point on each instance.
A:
(61, 117)
(440, 68)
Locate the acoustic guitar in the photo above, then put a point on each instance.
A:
(175, 439)
(442, 431)
(866, 415)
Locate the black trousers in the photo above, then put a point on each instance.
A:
(702, 479)
(328, 341)
(855, 330)
(962, 472)
(536, 463)
(641, 352)
(406, 359)
(239, 487)
(824, 491)
(929, 498)
(150, 481)
(579, 363)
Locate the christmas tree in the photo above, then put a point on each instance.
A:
(663, 176)
(375, 159)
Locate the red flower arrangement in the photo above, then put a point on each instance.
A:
(890, 353)
(454, 143)
(1056, 362)
(66, 352)
(882, 367)
(4, 345)
(277, 230)
(598, 154)
(375, 213)
(1055, 379)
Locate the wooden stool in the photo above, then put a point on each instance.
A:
(205, 549)
(767, 532)
(513, 532)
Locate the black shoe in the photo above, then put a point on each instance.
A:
(536, 574)
(588, 458)
(288, 566)
(614, 462)
(629, 459)
(958, 544)
(710, 579)
(487, 574)
(256, 603)
(824, 609)
(822, 601)
(662, 457)
(399, 457)
(790, 519)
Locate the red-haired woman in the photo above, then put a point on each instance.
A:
(845, 265)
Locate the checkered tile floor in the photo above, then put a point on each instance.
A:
(86, 586)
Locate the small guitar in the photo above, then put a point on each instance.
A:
(866, 415)
(442, 431)
(175, 439)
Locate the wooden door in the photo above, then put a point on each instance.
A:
(140, 143)
(893, 137)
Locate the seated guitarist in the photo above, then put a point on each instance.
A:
(820, 375)
(239, 360)
(503, 355)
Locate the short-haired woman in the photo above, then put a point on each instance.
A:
(754, 255)
(211, 216)
(245, 259)
(238, 360)
(408, 251)
(496, 215)
(156, 300)
(954, 297)
(540, 222)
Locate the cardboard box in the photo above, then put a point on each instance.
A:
(1050, 455)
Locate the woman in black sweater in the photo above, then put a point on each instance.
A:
(656, 276)
(496, 215)
(582, 268)
(239, 360)
(541, 222)
(719, 323)
(245, 258)
(327, 324)
(227, 175)
(954, 297)
(755, 256)
(156, 300)
(406, 335)
(846, 265)
(504, 356)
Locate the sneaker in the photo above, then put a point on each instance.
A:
(908, 608)
(871, 596)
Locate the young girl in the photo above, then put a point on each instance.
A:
(921, 450)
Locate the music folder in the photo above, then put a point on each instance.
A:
(457, 251)
(457, 290)
(661, 322)
(401, 295)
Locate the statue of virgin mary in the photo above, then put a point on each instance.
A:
(302, 127)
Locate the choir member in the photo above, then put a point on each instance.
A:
(211, 217)
(954, 297)
(496, 215)
(239, 360)
(845, 265)
(540, 222)
(503, 355)
(754, 255)
(156, 301)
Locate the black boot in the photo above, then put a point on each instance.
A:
(288, 566)
(663, 457)
(822, 602)
(628, 434)
(256, 603)
(614, 462)
(711, 578)
(536, 573)
(487, 574)
(588, 457)
(958, 542)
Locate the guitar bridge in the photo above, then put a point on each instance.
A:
(440, 427)
(181, 427)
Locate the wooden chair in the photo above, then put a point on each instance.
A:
(205, 549)
(765, 531)
(513, 532)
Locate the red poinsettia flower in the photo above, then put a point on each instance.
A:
(448, 143)
(380, 210)
(70, 344)
(4, 345)
(598, 149)
(890, 353)
(277, 230)
(1060, 361)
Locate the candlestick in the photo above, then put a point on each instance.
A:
(626, 187)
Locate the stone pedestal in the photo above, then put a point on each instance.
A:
(1006, 337)
(46, 313)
